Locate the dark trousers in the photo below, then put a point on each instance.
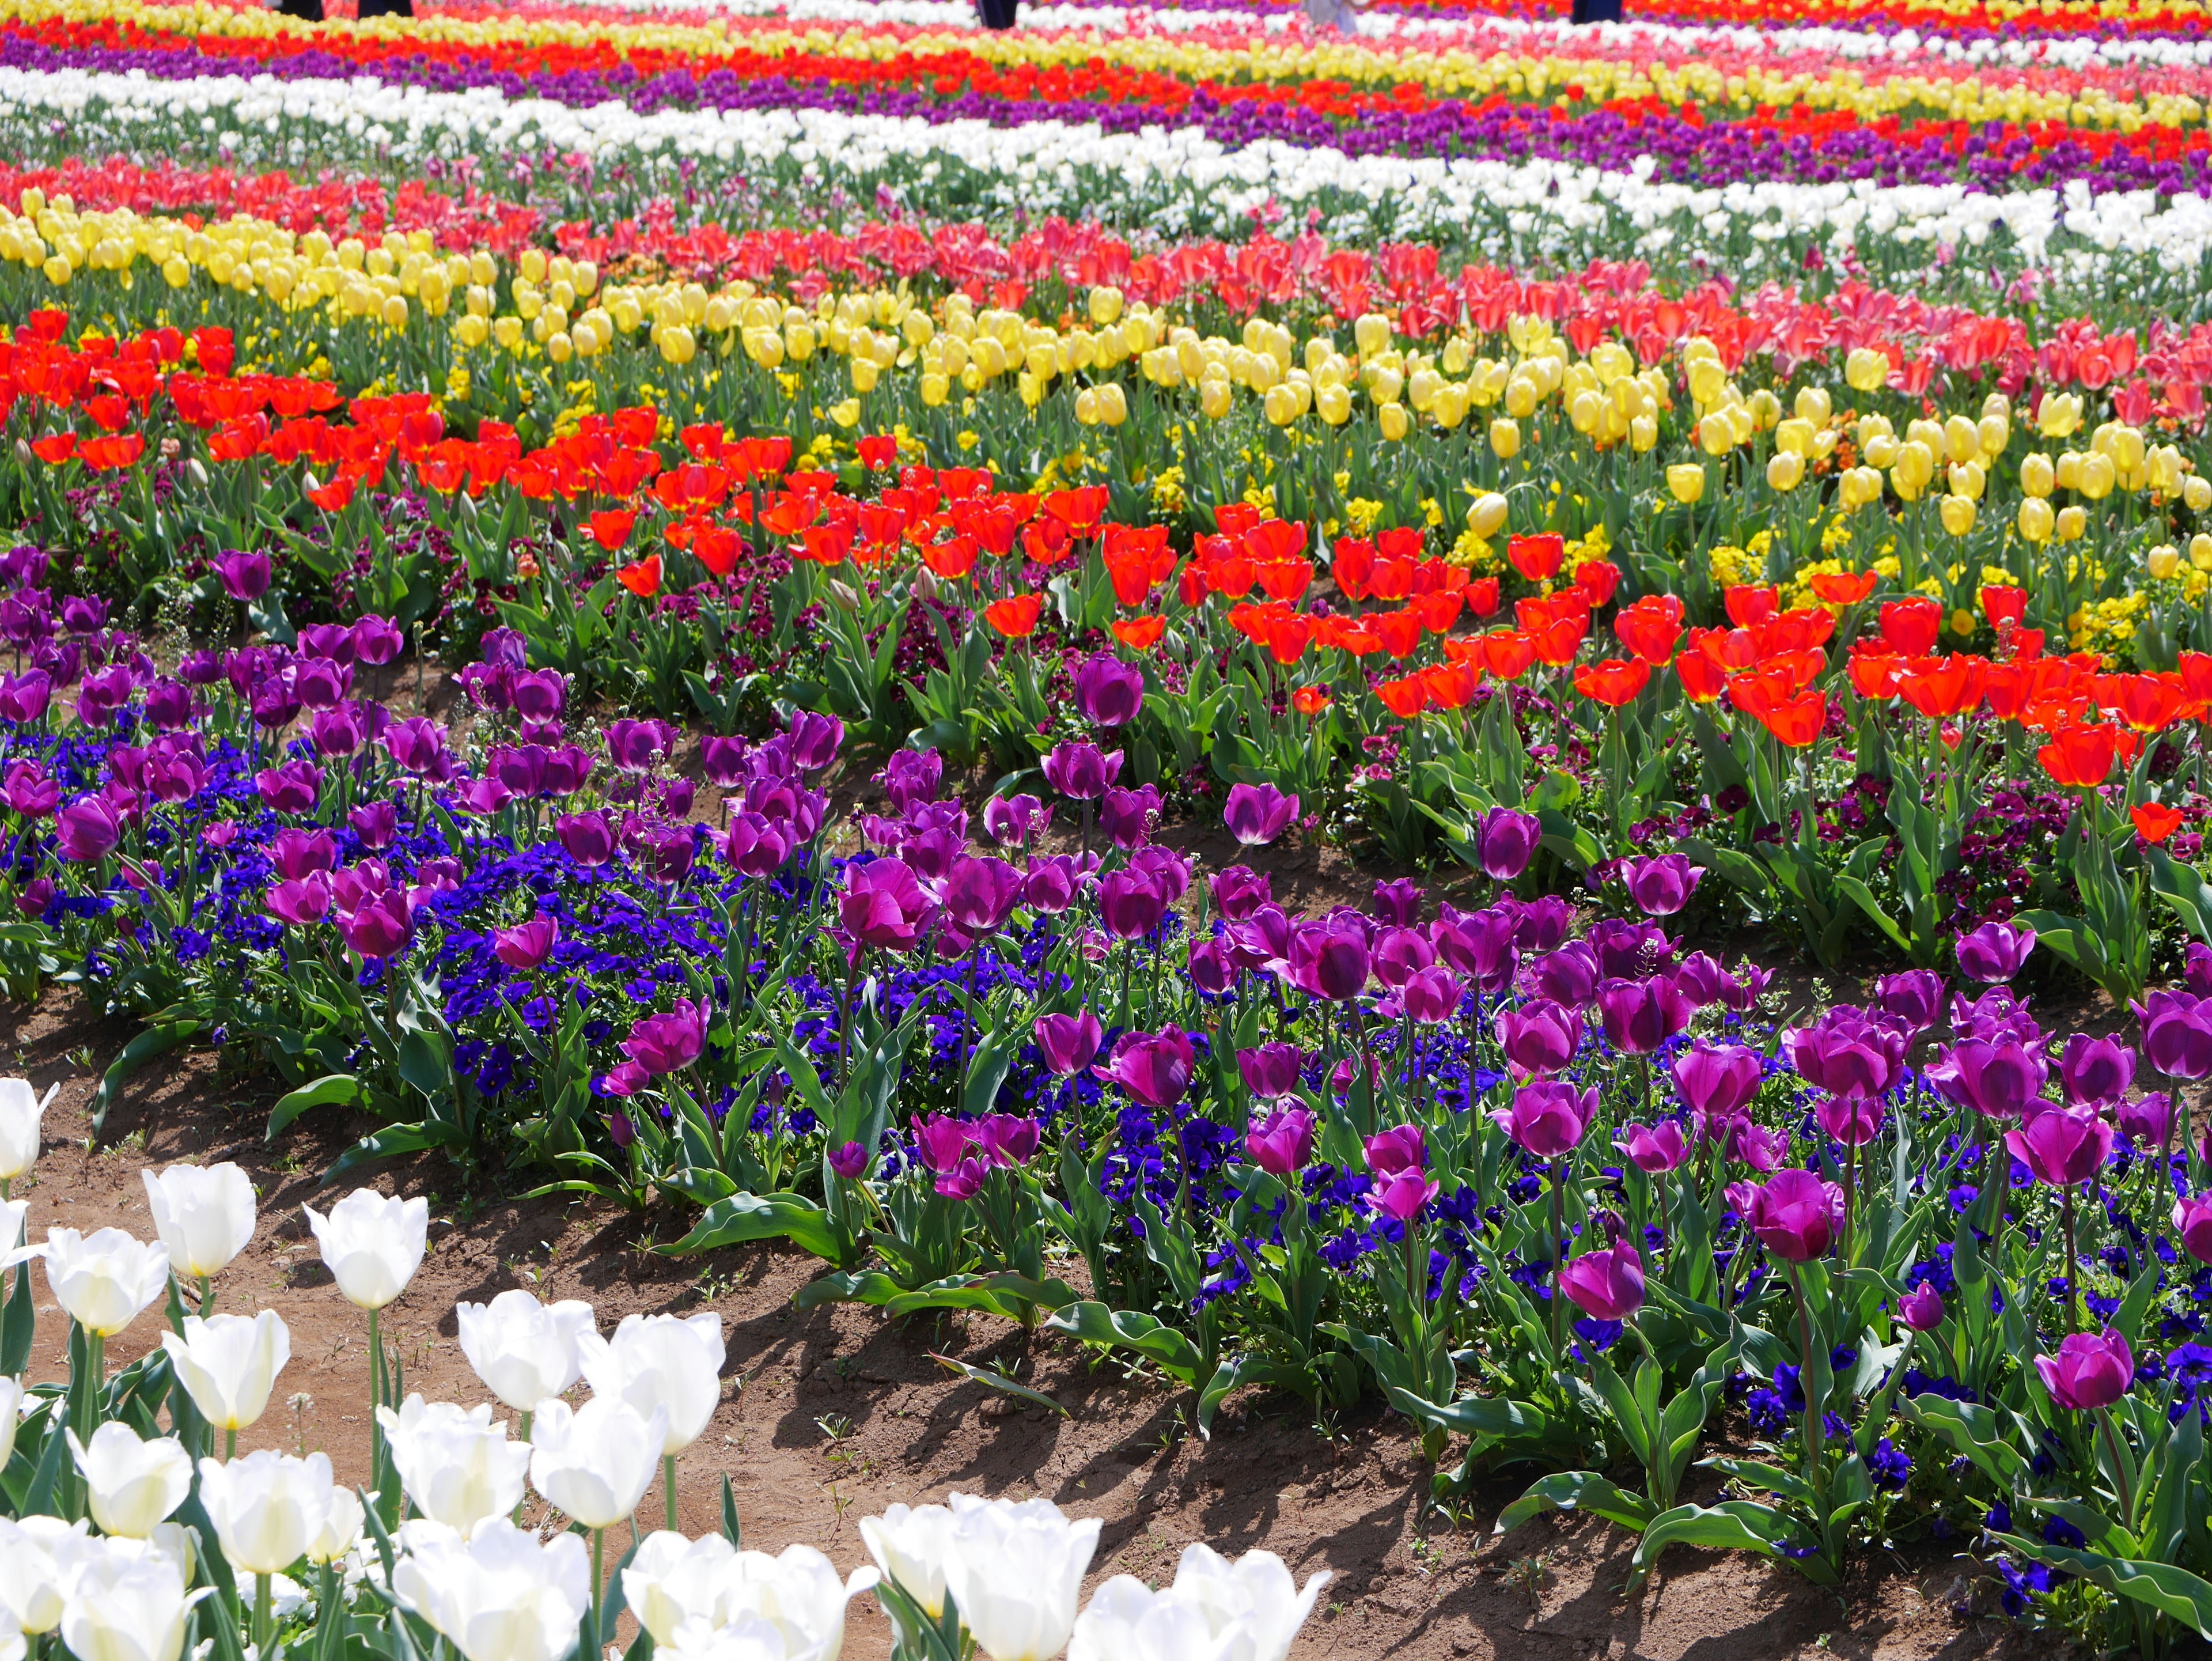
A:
(1596, 11)
(308, 11)
(396, 7)
(999, 13)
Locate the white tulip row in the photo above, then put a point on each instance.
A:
(494, 1591)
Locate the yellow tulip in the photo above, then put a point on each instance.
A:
(1866, 370)
(2037, 476)
(2163, 561)
(2073, 523)
(1686, 480)
(2200, 552)
(1505, 438)
(2036, 518)
(1957, 514)
(1394, 421)
(1785, 471)
(2195, 493)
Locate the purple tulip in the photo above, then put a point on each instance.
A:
(169, 705)
(942, 1141)
(1655, 1151)
(1051, 885)
(635, 745)
(1126, 816)
(1914, 998)
(2192, 1219)
(1718, 1082)
(815, 740)
(1068, 1043)
(1081, 772)
(379, 927)
(245, 577)
(1400, 1147)
(1154, 1068)
(377, 641)
(1606, 1285)
(300, 901)
(1998, 1080)
(1432, 996)
(87, 830)
(1794, 1215)
(28, 792)
(1399, 903)
(526, 945)
(1547, 1117)
(1847, 1054)
(1921, 1309)
(1661, 886)
(1166, 868)
(1854, 1120)
(1238, 892)
(84, 614)
(981, 894)
(1211, 965)
(586, 838)
(849, 1160)
(1130, 904)
(2091, 1371)
(2147, 1121)
(2062, 1146)
(2177, 1031)
(1639, 1016)
(2197, 969)
(883, 905)
(1400, 953)
(1402, 1195)
(1109, 692)
(24, 698)
(669, 1043)
(297, 853)
(1539, 925)
(1539, 1036)
(1568, 976)
(1479, 945)
(1272, 1071)
(1015, 819)
(1008, 1139)
(1281, 1144)
(1329, 960)
(320, 685)
(2095, 1070)
(417, 745)
(1506, 841)
(1258, 813)
(37, 894)
(1994, 953)
(1262, 941)
(1629, 951)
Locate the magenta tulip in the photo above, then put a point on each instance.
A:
(1607, 1285)
(1794, 1215)
(2091, 1371)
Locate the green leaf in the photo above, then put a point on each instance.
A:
(424, 1064)
(1237, 1371)
(731, 1531)
(744, 1217)
(1167, 1349)
(1732, 1525)
(1005, 1293)
(154, 1041)
(2169, 1589)
(390, 1143)
(332, 1089)
(998, 1381)
(1576, 1490)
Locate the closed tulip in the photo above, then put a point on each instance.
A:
(228, 1364)
(203, 1215)
(661, 1361)
(39, 1556)
(1794, 1215)
(1251, 1609)
(1016, 1573)
(2091, 1371)
(127, 1606)
(911, 1545)
(102, 1280)
(2062, 1146)
(267, 1507)
(372, 1245)
(797, 1593)
(458, 1467)
(523, 1351)
(671, 1581)
(501, 1595)
(21, 1109)
(131, 1484)
(1607, 1285)
(594, 1463)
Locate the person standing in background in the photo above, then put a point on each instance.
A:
(999, 13)
(308, 11)
(1594, 11)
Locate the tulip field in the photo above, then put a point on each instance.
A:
(757, 619)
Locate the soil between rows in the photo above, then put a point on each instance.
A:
(833, 1414)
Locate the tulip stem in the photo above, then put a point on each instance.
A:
(2073, 1265)
(375, 1367)
(207, 1295)
(2119, 1468)
(265, 1625)
(599, 1588)
(1558, 1252)
(668, 1481)
(1814, 1405)
(229, 1443)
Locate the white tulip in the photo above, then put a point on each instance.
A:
(131, 1484)
(1016, 1573)
(12, 1213)
(799, 1594)
(203, 1215)
(501, 1596)
(671, 1580)
(11, 1415)
(748, 1638)
(1248, 1610)
(230, 1364)
(910, 1544)
(103, 1280)
(596, 1463)
(458, 1467)
(342, 1527)
(171, 1540)
(372, 1245)
(21, 1108)
(38, 1558)
(267, 1507)
(1257, 1592)
(661, 1361)
(126, 1605)
(523, 1350)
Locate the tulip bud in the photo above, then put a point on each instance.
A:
(2200, 552)
(1686, 482)
(2196, 493)
(2073, 523)
(1505, 437)
(2037, 476)
(1485, 514)
(1394, 422)
(1785, 471)
(2163, 563)
(2036, 518)
(1957, 514)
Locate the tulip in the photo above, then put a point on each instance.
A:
(1402, 1148)
(911, 1545)
(1281, 1144)
(2095, 1070)
(372, 1244)
(1505, 841)
(1718, 1082)
(1639, 1016)
(528, 946)
(2147, 1121)
(2062, 1146)
(1069, 1044)
(1238, 891)
(87, 830)
(1998, 1080)
(126, 1606)
(665, 1043)
(2091, 1371)
(204, 1217)
(1607, 1285)
(670, 1580)
(1846, 1054)
(1432, 996)
(1994, 951)
(1854, 1120)
(1109, 692)
(1629, 951)
(1258, 813)
(228, 1365)
(1272, 1071)
(2176, 1029)
(131, 1485)
(1251, 1609)
(245, 577)
(501, 1595)
(1567, 977)
(1548, 1118)
(797, 1595)
(1401, 1194)
(523, 1351)
(1795, 1216)
(39, 1556)
(659, 1364)
(342, 1529)
(266, 1508)
(1330, 959)
(594, 1463)
(1016, 819)
(1015, 1572)
(1154, 1068)
(1654, 1152)
(981, 894)
(1479, 945)
(1914, 997)
(1399, 954)
(1081, 772)
(1662, 885)
(849, 1160)
(882, 905)
(2192, 1221)
(21, 1109)
(458, 1468)
(103, 1281)
(1921, 1309)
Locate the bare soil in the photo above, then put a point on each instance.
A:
(832, 1414)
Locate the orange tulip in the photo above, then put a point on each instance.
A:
(2079, 757)
(642, 579)
(1842, 587)
(1614, 682)
(1507, 654)
(1747, 606)
(1537, 558)
(1404, 698)
(1798, 721)
(1140, 633)
(2155, 821)
(1310, 700)
(1941, 688)
(1016, 616)
(1650, 628)
(610, 528)
(1702, 679)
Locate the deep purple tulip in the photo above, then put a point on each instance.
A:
(1639, 1016)
(1329, 960)
(540, 696)
(296, 853)
(1541, 1035)
(586, 838)
(380, 927)
(1068, 1043)
(24, 698)
(37, 895)
(2197, 969)
(723, 760)
(964, 1181)
(1402, 1195)
(2177, 1031)
(1506, 841)
(2062, 1146)
(1845, 1053)
(245, 577)
(1915, 998)
(1794, 1215)
(1130, 904)
(1211, 965)
(883, 905)
(1015, 819)
(635, 746)
(2091, 1371)
(377, 641)
(1655, 1151)
(2147, 1121)
(528, 946)
(1051, 885)
(1921, 1309)
(1994, 951)
(669, 1043)
(169, 705)
(849, 1160)
(1282, 1143)
(1262, 941)
(1167, 869)
(1568, 976)
(87, 830)
(1700, 978)
(417, 745)
(1154, 1068)
(300, 901)
(1479, 945)
(981, 894)
(1539, 925)
(942, 1141)
(1606, 1285)
(1272, 1071)
(1238, 892)
(815, 740)
(1399, 903)
(1109, 692)
(1082, 772)
(1854, 1120)
(1629, 951)
(1126, 816)
(319, 684)
(1548, 1118)
(1998, 1080)
(2192, 1221)
(1400, 1147)
(1717, 1081)
(1008, 1139)
(756, 846)
(1661, 885)
(2095, 1069)
(30, 792)
(1432, 996)
(1400, 953)
(1258, 813)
